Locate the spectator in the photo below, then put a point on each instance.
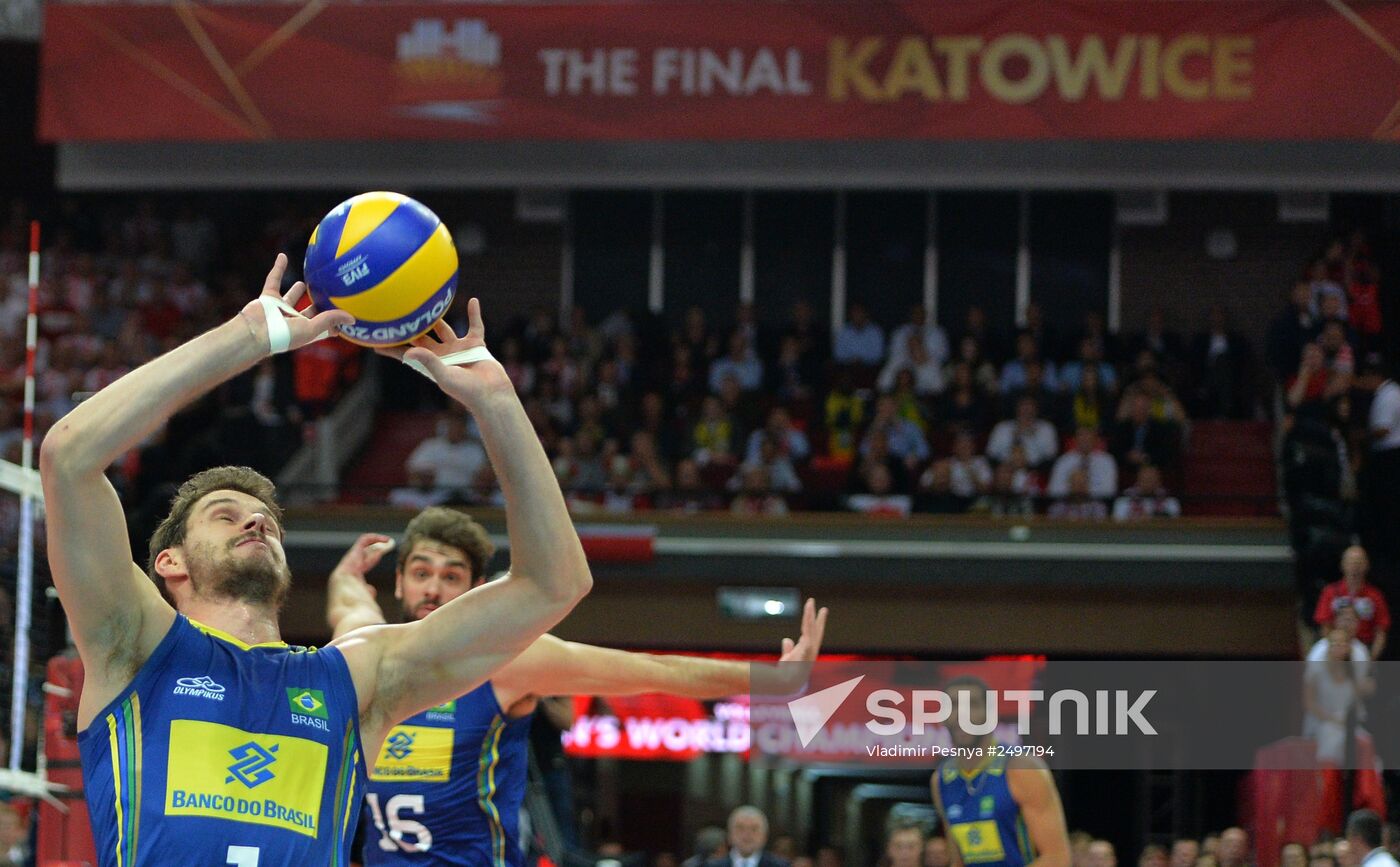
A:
(1373, 615)
(1090, 404)
(422, 492)
(1345, 620)
(646, 469)
(776, 466)
(783, 847)
(875, 450)
(984, 372)
(710, 844)
(1314, 385)
(906, 442)
(1382, 472)
(1138, 438)
(1364, 833)
(829, 856)
(1147, 498)
(907, 402)
(1234, 848)
(748, 832)
(1185, 851)
(1087, 455)
(1014, 485)
(1165, 347)
(1013, 375)
(1290, 331)
(969, 474)
(1337, 350)
(904, 845)
(1330, 698)
(812, 341)
(976, 326)
(1036, 387)
(1046, 338)
(929, 334)
(879, 497)
(1077, 503)
(791, 442)
(1219, 358)
(860, 341)
(1090, 356)
(964, 403)
(450, 455)
(790, 378)
(1152, 856)
(741, 364)
(714, 437)
(927, 371)
(1293, 855)
(1364, 303)
(695, 335)
(689, 495)
(1102, 854)
(1079, 848)
(844, 412)
(1027, 430)
(1323, 284)
(755, 495)
(1343, 854)
(936, 852)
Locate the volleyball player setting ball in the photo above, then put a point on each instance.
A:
(206, 740)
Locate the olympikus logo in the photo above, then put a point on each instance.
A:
(200, 687)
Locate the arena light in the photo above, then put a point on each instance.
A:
(759, 603)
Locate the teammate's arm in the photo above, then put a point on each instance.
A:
(404, 668)
(117, 614)
(954, 856)
(551, 666)
(350, 601)
(1034, 791)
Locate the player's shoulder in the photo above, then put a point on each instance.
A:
(1026, 763)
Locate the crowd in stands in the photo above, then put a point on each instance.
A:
(761, 421)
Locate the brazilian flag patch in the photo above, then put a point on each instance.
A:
(307, 702)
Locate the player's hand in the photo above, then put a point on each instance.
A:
(364, 555)
(809, 641)
(789, 676)
(304, 327)
(466, 383)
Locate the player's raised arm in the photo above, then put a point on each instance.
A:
(551, 666)
(350, 601)
(405, 668)
(116, 612)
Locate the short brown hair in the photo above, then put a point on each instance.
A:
(449, 527)
(171, 532)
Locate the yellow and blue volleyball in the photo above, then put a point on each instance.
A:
(386, 260)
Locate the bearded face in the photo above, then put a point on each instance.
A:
(243, 569)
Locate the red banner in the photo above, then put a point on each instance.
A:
(1019, 69)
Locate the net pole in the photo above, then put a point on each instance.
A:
(24, 583)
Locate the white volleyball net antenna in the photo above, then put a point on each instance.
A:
(21, 505)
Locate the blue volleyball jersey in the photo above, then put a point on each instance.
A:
(982, 818)
(447, 787)
(221, 753)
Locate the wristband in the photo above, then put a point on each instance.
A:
(279, 336)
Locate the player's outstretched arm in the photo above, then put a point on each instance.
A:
(553, 667)
(350, 601)
(117, 615)
(1034, 791)
(402, 669)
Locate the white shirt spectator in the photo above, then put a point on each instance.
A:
(1360, 656)
(1040, 441)
(969, 478)
(1379, 857)
(1103, 474)
(454, 465)
(1385, 415)
(928, 376)
(935, 341)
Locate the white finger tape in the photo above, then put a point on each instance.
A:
(466, 356)
(279, 336)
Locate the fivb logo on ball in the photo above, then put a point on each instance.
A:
(386, 260)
